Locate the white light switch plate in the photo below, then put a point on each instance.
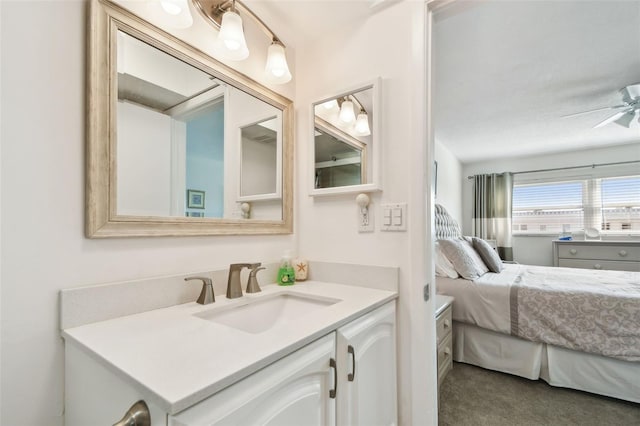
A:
(394, 217)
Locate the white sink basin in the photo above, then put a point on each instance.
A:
(264, 313)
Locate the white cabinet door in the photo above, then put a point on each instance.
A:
(366, 356)
(292, 391)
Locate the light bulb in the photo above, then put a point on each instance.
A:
(277, 68)
(346, 112)
(362, 124)
(232, 37)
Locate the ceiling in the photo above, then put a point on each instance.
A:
(506, 71)
(309, 20)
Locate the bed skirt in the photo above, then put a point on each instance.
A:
(557, 366)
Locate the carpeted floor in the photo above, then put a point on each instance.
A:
(477, 397)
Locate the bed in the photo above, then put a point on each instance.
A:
(573, 328)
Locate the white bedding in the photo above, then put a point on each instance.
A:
(483, 302)
(579, 309)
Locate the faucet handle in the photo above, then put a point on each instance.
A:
(252, 284)
(207, 283)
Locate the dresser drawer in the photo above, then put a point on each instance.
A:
(623, 253)
(600, 264)
(443, 324)
(445, 358)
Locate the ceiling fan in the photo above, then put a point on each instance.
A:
(625, 113)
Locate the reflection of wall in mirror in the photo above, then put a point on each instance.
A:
(258, 166)
(242, 109)
(144, 178)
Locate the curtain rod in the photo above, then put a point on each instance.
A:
(573, 167)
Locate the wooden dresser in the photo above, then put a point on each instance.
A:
(614, 255)
(443, 335)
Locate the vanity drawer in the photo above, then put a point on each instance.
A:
(600, 264)
(443, 324)
(624, 253)
(445, 359)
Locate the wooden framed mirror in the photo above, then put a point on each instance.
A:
(177, 141)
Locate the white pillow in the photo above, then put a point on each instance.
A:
(464, 258)
(444, 267)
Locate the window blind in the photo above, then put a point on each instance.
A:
(611, 205)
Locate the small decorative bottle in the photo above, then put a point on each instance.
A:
(301, 267)
(286, 274)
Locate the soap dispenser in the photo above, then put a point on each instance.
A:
(286, 273)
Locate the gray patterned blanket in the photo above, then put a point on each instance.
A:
(580, 309)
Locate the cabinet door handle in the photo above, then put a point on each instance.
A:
(622, 253)
(138, 415)
(352, 375)
(447, 323)
(332, 392)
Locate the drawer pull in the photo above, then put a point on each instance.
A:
(573, 251)
(352, 376)
(597, 266)
(447, 323)
(332, 392)
(622, 253)
(447, 351)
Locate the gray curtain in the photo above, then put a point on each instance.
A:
(492, 195)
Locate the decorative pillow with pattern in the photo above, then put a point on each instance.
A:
(464, 258)
(488, 254)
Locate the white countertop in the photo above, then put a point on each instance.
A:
(177, 359)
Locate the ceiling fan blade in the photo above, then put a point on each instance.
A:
(594, 110)
(611, 119)
(626, 119)
(630, 92)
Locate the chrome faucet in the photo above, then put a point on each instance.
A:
(206, 294)
(234, 289)
(252, 284)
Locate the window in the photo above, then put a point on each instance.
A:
(609, 204)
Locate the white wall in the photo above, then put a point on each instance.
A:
(144, 161)
(337, 61)
(537, 250)
(449, 181)
(43, 138)
(241, 110)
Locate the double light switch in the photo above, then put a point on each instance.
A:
(394, 217)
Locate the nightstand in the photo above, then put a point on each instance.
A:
(444, 324)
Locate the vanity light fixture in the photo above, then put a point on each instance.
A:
(346, 111)
(177, 10)
(226, 16)
(231, 36)
(362, 124)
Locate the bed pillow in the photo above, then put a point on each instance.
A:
(444, 267)
(488, 255)
(464, 258)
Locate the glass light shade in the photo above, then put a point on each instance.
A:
(362, 125)
(180, 15)
(346, 112)
(277, 68)
(231, 37)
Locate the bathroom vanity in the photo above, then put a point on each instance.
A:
(315, 354)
